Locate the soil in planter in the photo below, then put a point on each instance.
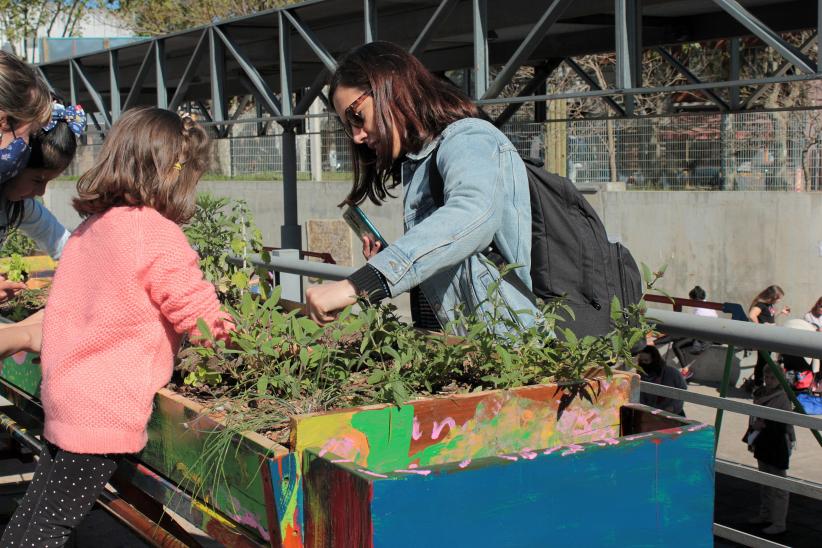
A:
(24, 304)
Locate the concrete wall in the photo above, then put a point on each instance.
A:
(733, 244)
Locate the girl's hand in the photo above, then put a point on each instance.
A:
(26, 337)
(786, 310)
(323, 302)
(370, 247)
(9, 289)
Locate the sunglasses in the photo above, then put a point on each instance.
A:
(353, 118)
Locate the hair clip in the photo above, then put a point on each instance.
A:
(178, 166)
(73, 115)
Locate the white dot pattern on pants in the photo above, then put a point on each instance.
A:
(44, 518)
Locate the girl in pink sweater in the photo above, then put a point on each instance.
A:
(127, 288)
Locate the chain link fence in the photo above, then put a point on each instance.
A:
(739, 151)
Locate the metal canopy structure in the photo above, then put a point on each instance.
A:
(283, 57)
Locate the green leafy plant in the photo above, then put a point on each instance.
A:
(17, 243)
(218, 231)
(16, 270)
(277, 360)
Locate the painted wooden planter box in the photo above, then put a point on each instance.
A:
(262, 498)
(652, 486)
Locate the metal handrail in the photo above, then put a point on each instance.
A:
(301, 267)
(740, 334)
(744, 408)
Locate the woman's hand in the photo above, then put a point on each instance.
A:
(323, 302)
(370, 247)
(9, 289)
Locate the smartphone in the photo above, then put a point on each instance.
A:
(362, 225)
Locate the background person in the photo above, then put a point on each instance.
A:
(814, 315)
(25, 105)
(655, 370)
(52, 150)
(763, 311)
(772, 444)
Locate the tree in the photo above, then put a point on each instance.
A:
(154, 17)
(22, 21)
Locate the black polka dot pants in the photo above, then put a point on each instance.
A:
(63, 490)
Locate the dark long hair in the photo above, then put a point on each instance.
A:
(657, 361)
(406, 97)
(52, 149)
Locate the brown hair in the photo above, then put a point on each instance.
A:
(24, 96)
(816, 305)
(406, 96)
(152, 158)
(768, 295)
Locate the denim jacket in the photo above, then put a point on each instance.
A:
(486, 198)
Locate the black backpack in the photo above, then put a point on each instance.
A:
(571, 256)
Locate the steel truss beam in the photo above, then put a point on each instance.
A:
(46, 80)
(691, 77)
(593, 84)
(252, 73)
(804, 48)
(628, 23)
(95, 96)
(480, 15)
(190, 70)
(310, 39)
(553, 12)
(786, 50)
(313, 91)
(114, 84)
(643, 91)
(74, 91)
(140, 78)
(160, 73)
(541, 74)
(285, 65)
(370, 20)
(217, 72)
(241, 104)
(437, 18)
(205, 112)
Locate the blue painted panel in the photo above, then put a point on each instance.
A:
(647, 490)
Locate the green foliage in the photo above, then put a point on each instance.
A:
(16, 271)
(218, 231)
(17, 243)
(373, 357)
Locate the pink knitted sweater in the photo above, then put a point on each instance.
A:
(128, 285)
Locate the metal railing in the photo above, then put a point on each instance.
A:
(733, 333)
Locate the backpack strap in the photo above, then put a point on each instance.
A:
(437, 188)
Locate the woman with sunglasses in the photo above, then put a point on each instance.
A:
(401, 118)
